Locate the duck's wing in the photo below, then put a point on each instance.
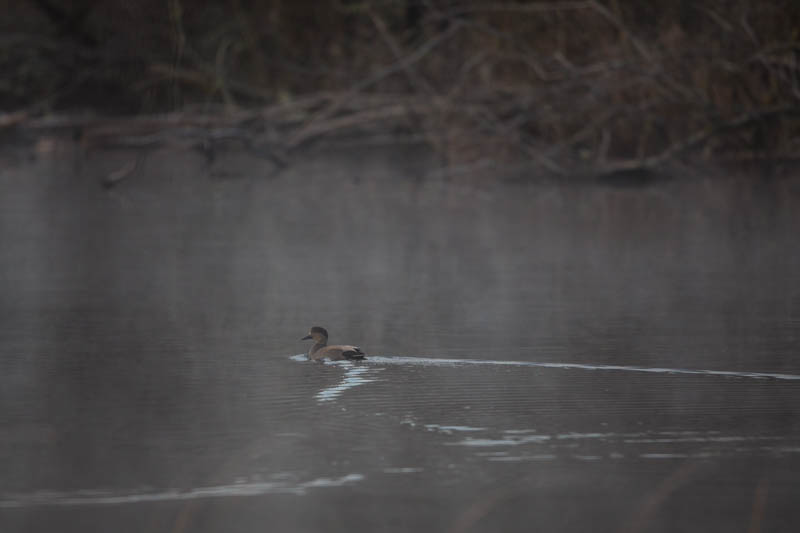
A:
(337, 353)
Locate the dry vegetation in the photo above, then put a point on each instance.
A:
(564, 85)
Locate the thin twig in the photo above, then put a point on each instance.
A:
(403, 64)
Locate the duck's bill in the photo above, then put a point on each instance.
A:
(306, 338)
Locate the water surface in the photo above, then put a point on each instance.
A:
(554, 358)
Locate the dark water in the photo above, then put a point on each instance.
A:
(545, 358)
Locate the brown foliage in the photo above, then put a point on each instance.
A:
(567, 84)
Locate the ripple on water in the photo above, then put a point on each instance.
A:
(451, 429)
(402, 470)
(353, 377)
(98, 497)
(432, 361)
(642, 445)
(476, 408)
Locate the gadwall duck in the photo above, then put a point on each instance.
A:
(337, 352)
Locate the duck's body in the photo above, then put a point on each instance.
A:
(335, 352)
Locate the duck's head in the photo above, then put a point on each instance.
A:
(317, 333)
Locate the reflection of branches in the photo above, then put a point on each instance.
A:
(659, 495)
(478, 510)
(759, 503)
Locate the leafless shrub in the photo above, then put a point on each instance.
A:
(569, 86)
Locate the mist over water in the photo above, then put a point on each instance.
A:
(559, 358)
